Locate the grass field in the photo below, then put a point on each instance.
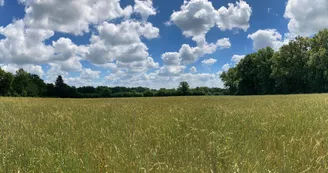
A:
(181, 134)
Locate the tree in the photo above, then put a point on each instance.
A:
(148, 93)
(231, 80)
(6, 80)
(254, 72)
(21, 82)
(50, 90)
(59, 82)
(36, 86)
(318, 62)
(104, 91)
(61, 89)
(290, 67)
(184, 88)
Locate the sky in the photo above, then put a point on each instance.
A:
(149, 43)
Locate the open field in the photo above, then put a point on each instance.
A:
(181, 134)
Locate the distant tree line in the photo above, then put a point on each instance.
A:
(24, 84)
(301, 66)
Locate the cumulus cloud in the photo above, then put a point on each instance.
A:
(225, 67)
(24, 46)
(30, 68)
(121, 42)
(72, 64)
(72, 16)
(235, 16)
(189, 54)
(306, 17)
(2, 2)
(237, 58)
(90, 74)
(144, 8)
(206, 16)
(266, 38)
(209, 62)
(117, 41)
(171, 58)
(172, 70)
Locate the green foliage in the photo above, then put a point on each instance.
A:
(184, 88)
(21, 82)
(298, 67)
(6, 80)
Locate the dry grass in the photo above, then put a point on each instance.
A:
(182, 134)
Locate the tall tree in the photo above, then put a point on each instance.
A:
(184, 88)
(290, 67)
(231, 80)
(6, 80)
(36, 86)
(318, 62)
(21, 81)
(61, 89)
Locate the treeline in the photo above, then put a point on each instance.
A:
(298, 67)
(23, 84)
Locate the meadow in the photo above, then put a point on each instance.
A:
(175, 134)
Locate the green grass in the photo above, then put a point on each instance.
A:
(182, 134)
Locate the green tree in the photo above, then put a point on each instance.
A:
(61, 89)
(36, 86)
(231, 80)
(290, 67)
(21, 82)
(104, 91)
(254, 72)
(184, 88)
(6, 80)
(318, 62)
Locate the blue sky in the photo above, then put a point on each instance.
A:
(147, 43)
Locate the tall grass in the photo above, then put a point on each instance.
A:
(182, 134)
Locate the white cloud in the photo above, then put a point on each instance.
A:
(193, 69)
(137, 66)
(121, 42)
(23, 45)
(206, 16)
(64, 49)
(87, 77)
(225, 67)
(237, 58)
(144, 8)
(201, 12)
(72, 16)
(33, 69)
(73, 64)
(223, 43)
(2, 2)
(266, 38)
(171, 70)
(157, 80)
(189, 54)
(235, 16)
(209, 62)
(306, 17)
(90, 74)
(116, 44)
(171, 58)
